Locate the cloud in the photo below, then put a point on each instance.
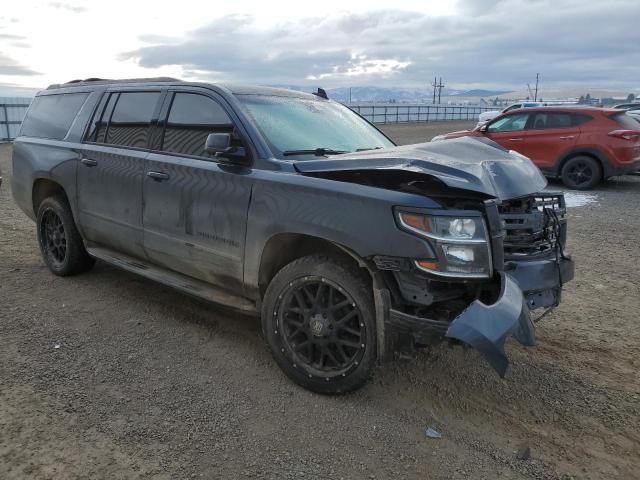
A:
(8, 66)
(499, 43)
(67, 6)
(7, 36)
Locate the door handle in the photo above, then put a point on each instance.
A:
(158, 176)
(88, 162)
(568, 137)
(515, 139)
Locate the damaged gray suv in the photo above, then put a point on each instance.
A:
(290, 206)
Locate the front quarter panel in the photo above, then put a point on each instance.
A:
(354, 216)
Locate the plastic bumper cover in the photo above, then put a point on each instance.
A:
(525, 286)
(486, 327)
(541, 280)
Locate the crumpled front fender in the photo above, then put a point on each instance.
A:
(486, 327)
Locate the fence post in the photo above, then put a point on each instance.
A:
(6, 119)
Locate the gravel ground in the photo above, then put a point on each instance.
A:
(107, 375)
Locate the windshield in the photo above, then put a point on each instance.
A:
(301, 126)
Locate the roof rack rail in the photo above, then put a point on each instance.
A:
(106, 81)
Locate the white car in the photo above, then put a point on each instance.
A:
(488, 116)
(633, 109)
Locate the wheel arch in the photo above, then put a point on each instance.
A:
(594, 153)
(283, 248)
(43, 188)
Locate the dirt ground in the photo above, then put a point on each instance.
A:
(107, 375)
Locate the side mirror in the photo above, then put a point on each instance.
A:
(219, 145)
(483, 128)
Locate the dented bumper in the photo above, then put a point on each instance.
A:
(524, 287)
(486, 327)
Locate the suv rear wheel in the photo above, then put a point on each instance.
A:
(60, 242)
(318, 318)
(581, 173)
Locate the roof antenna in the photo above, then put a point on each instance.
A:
(321, 93)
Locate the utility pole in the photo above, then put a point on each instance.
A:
(437, 85)
(535, 97)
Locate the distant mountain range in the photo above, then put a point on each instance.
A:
(392, 94)
(10, 91)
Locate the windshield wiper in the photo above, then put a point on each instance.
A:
(318, 152)
(365, 149)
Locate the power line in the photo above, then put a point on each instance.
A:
(439, 86)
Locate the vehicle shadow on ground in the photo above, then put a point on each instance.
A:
(536, 388)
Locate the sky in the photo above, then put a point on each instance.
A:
(490, 44)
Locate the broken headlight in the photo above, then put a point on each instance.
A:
(461, 244)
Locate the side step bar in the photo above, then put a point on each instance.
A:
(172, 279)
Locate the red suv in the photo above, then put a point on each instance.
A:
(582, 146)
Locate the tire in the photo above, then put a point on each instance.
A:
(60, 242)
(318, 319)
(581, 173)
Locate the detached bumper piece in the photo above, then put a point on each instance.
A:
(541, 280)
(526, 286)
(486, 327)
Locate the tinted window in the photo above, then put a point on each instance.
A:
(510, 123)
(192, 117)
(95, 121)
(552, 120)
(101, 130)
(579, 119)
(131, 119)
(50, 116)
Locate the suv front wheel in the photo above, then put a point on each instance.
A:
(60, 242)
(318, 319)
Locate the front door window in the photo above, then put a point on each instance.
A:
(509, 123)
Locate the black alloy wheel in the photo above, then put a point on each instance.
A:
(60, 242)
(322, 327)
(581, 173)
(318, 319)
(54, 238)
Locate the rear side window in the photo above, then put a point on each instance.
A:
(98, 121)
(626, 121)
(51, 116)
(191, 119)
(580, 119)
(552, 120)
(130, 121)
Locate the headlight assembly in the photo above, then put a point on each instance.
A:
(461, 244)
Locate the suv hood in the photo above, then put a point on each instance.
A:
(468, 163)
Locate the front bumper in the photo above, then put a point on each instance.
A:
(524, 286)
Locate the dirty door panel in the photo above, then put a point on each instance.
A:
(195, 207)
(195, 220)
(110, 198)
(110, 172)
